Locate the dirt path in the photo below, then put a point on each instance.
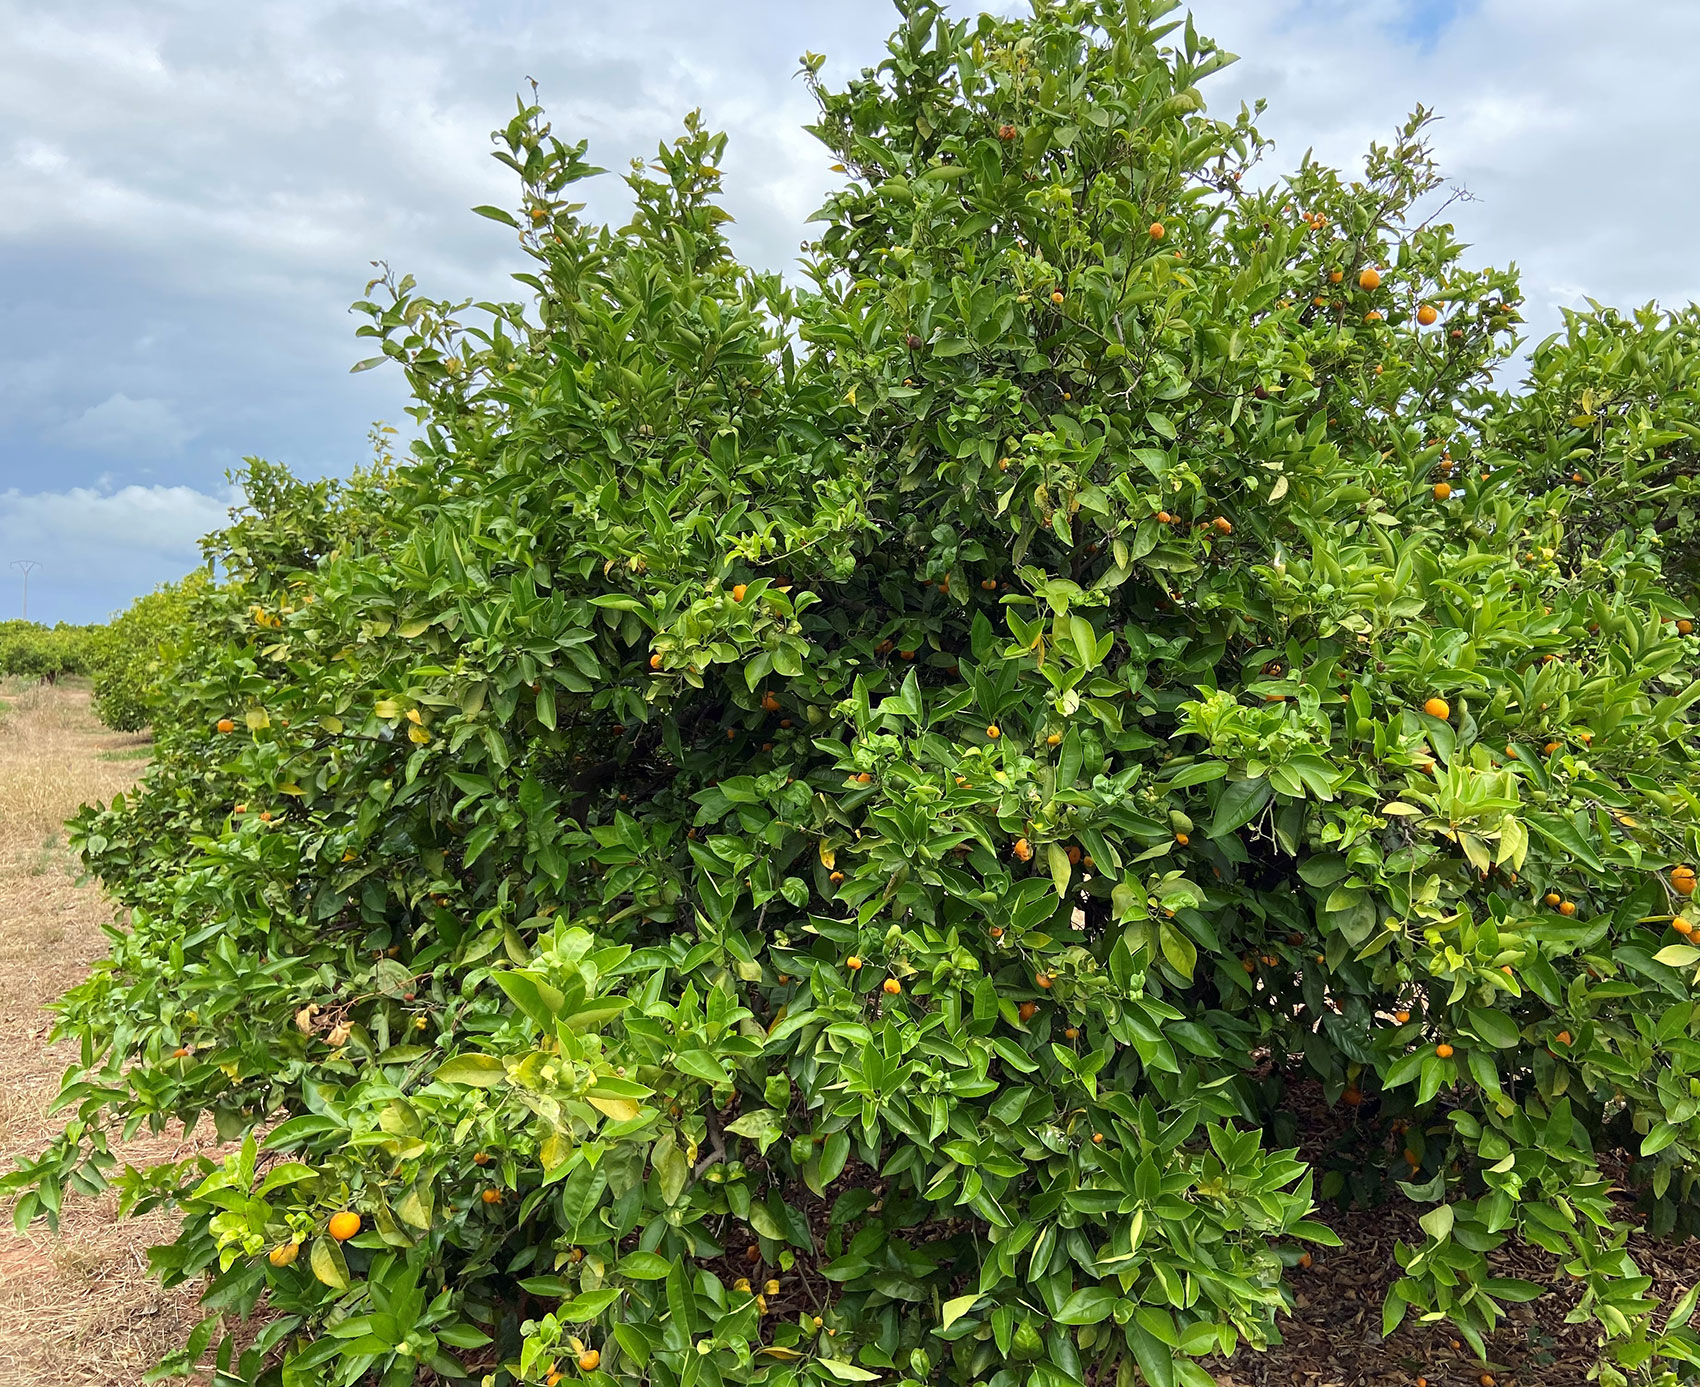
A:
(77, 1308)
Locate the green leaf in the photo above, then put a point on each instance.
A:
(1437, 1222)
(478, 1071)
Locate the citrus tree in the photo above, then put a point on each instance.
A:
(30, 650)
(820, 834)
(132, 658)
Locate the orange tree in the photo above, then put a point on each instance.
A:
(821, 834)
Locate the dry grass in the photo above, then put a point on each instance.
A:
(78, 1307)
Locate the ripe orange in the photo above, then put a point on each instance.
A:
(993, 731)
(1352, 1097)
(1056, 296)
(1071, 1033)
(989, 584)
(1055, 739)
(1552, 898)
(906, 654)
(1401, 1017)
(1682, 880)
(1563, 1037)
(1443, 1050)
(1685, 626)
(344, 1225)
(1073, 854)
(265, 816)
(1551, 747)
(853, 963)
(1163, 517)
(1156, 231)
(1370, 279)
(1567, 908)
(1426, 314)
(589, 1360)
(1305, 1260)
(1437, 708)
(836, 877)
(1006, 133)
(1682, 927)
(481, 1158)
(226, 725)
(738, 591)
(284, 1253)
(1023, 850)
(1027, 1010)
(1373, 316)
(1042, 979)
(865, 778)
(1442, 490)
(769, 703)
(1182, 839)
(491, 1196)
(1222, 525)
(1335, 276)
(996, 931)
(892, 987)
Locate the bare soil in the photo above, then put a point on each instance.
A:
(76, 1307)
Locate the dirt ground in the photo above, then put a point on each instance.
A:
(78, 1308)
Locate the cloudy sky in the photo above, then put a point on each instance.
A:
(192, 191)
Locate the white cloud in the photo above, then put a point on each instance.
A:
(146, 428)
(96, 549)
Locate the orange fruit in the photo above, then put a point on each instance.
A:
(1305, 1260)
(589, 1360)
(1055, 739)
(1163, 517)
(906, 654)
(1056, 296)
(1442, 490)
(738, 591)
(892, 987)
(1006, 133)
(1352, 1097)
(1685, 626)
(1335, 276)
(1401, 1017)
(1222, 525)
(283, 1254)
(481, 1158)
(1682, 880)
(491, 1196)
(1552, 898)
(1370, 279)
(1182, 839)
(1426, 314)
(1373, 316)
(1682, 927)
(344, 1225)
(1156, 231)
(1443, 1050)
(853, 963)
(1563, 1037)
(1071, 1033)
(1437, 708)
(226, 725)
(1073, 855)
(769, 703)
(989, 584)
(1551, 747)
(1023, 849)
(996, 931)
(265, 816)
(1567, 908)
(865, 778)
(1027, 1010)
(836, 877)
(993, 731)
(1042, 979)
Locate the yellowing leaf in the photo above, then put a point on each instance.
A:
(414, 717)
(386, 708)
(258, 718)
(1397, 806)
(290, 789)
(620, 1109)
(328, 1264)
(409, 629)
(828, 856)
(957, 1308)
(418, 734)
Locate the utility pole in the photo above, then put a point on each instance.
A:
(26, 567)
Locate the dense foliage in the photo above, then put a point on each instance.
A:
(133, 657)
(819, 835)
(29, 650)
